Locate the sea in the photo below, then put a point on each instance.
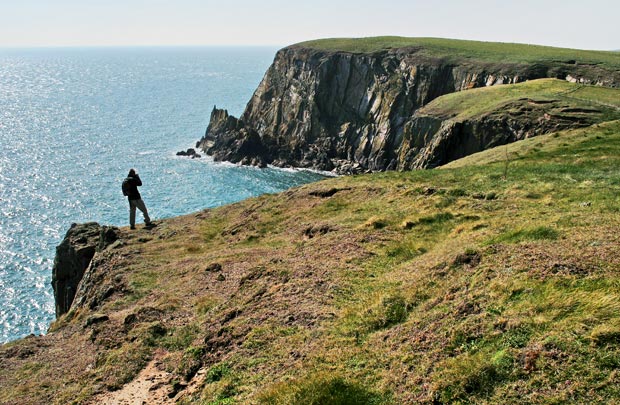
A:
(73, 121)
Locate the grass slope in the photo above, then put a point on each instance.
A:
(474, 50)
(493, 280)
(575, 98)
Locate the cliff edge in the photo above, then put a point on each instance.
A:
(73, 258)
(353, 105)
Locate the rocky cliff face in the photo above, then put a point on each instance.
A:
(430, 141)
(73, 258)
(356, 112)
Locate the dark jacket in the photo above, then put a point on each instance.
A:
(134, 182)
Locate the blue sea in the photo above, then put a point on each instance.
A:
(74, 121)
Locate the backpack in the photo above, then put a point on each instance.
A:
(126, 187)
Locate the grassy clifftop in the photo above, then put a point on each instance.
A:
(492, 280)
(572, 99)
(475, 50)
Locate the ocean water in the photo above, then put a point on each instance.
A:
(74, 121)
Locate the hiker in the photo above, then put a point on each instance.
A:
(130, 189)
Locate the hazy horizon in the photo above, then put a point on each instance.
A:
(277, 23)
(274, 46)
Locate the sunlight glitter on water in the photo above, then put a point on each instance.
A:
(74, 121)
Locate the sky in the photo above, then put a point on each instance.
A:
(593, 24)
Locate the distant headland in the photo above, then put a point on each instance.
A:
(371, 104)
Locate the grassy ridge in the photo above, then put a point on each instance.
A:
(477, 284)
(493, 280)
(458, 285)
(474, 50)
(476, 102)
(483, 288)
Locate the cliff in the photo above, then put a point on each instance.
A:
(73, 258)
(322, 107)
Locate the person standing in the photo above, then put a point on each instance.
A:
(130, 189)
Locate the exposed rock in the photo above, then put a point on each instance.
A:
(145, 314)
(317, 230)
(469, 258)
(214, 267)
(191, 152)
(96, 318)
(73, 256)
(254, 274)
(108, 236)
(326, 193)
(354, 113)
(234, 142)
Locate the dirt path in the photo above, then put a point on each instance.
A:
(151, 386)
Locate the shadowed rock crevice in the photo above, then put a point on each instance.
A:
(73, 256)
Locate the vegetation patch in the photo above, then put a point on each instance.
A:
(438, 218)
(116, 368)
(472, 374)
(322, 388)
(469, 50)
(528, 234)
(376, 222)
(191, 362)
(606, 335)
(180, 337)
(550, 94)
(392, 310)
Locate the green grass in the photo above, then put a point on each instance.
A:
(592, 148)
(119, 366)
(142, 283)
(530, 234)
(561, 172)
(476, 102)
(473, 50)
(390, 306)
(322, 389)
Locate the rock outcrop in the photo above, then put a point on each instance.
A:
(73, 257)
(352, 112)
(191, 153)
(429, 141)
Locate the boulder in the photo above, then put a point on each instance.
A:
(191, 152)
